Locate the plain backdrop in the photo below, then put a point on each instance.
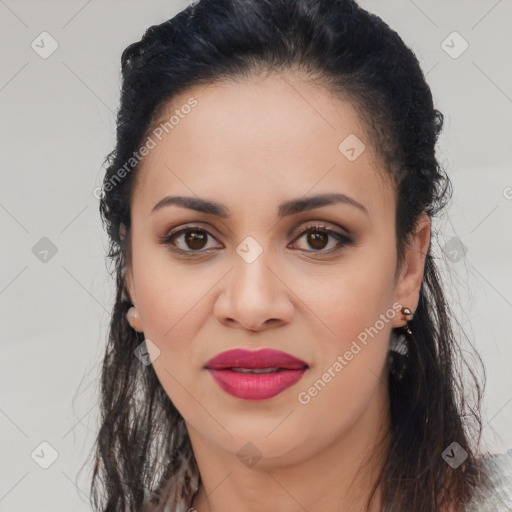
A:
(57, 126)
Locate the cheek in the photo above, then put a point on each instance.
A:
(351, 298)
(170, 294)
(175, 305)
(350, 364)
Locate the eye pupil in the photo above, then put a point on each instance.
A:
(193, 236)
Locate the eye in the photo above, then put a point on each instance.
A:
(318, 238)
(188, 239)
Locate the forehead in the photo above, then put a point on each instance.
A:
(264, 139)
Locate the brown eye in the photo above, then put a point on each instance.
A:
(317, 238)
(188, 240)
(195, 239)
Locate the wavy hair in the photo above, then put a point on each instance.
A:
(143, 456)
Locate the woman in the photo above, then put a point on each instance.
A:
(280, 338)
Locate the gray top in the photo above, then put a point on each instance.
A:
(497, 497)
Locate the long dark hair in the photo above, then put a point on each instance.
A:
(142, 444)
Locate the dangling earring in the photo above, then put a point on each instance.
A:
(407, 316)
(398, 342)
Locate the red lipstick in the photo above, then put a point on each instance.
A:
(255, 375)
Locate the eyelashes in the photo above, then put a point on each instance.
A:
(200, 235)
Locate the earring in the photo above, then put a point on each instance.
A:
(132, 316)
(398, 342)
(407, 315)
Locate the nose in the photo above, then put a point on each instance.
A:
(255, 296)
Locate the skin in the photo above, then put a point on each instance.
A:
(251, 145)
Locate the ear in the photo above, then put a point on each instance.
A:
(129, 286)
(407, 290)
(134, 319)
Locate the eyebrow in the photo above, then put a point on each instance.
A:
(287, 208)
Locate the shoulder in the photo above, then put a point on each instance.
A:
(496, 496)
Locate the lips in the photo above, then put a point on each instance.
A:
(255, 375)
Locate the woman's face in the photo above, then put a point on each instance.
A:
(250, 279)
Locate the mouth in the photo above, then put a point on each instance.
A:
(255, 375)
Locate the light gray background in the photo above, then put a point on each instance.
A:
(57, 125)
